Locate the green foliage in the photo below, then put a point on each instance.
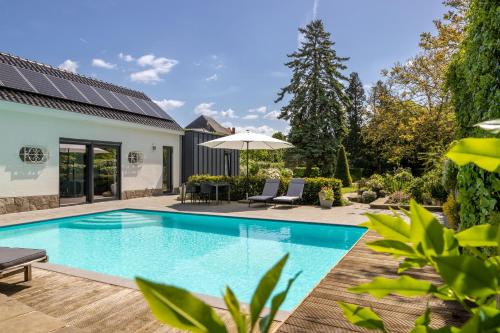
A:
(180, 309)
(451, 209)
(299, 172)
(479, 193)
(256, 184)
(362, 317)
(485, 153)
(368, 196)
(356, 115)
(315, 111)
(342, 168)
(473, 76)
(467, 276)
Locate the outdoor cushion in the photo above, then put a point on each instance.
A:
(261, 198)
(10, 256)
(286, 198)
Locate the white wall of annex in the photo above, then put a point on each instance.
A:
(23, 125)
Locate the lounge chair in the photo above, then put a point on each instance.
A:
(270, 191)
(294, 192)
(14, 260)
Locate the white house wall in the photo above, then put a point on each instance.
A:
(24, 125)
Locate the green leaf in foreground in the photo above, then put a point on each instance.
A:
(390, 227)
(233, 306)
(361, 316)
(483, 152)
(394, 247)
(179, 308)
(467, 275)
(264, 290)
(277, 301)
(479, 235)
(411, 263)
(404, 286)
(426, 230)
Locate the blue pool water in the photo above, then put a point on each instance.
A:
(198, 252)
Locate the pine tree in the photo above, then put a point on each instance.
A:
(342, 168)
(356, 113)
(316, 110)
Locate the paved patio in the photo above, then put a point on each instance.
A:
(107, 304)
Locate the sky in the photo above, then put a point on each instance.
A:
(221, 58)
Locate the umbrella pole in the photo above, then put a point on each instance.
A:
(247, 172)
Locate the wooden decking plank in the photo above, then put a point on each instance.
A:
(319, 312)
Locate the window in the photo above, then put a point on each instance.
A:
(33, 155)
(135, 157)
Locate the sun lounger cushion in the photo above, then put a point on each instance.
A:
(261, 198)
(10, 256)
(286, 198)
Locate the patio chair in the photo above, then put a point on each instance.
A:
(294, 192)
(14, 260)
(193, 190)
(206, 190)
(269, 192)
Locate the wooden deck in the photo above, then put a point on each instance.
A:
(89, 305)
(98, 307)
(320, 313)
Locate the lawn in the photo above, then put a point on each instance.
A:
(348, 189)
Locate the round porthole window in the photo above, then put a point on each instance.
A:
(33, 155)
(135, 157)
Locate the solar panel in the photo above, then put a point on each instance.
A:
(110, 99)
(136, 106)
(54, 86)
(11, 78)
(67, 89)
(40, 82)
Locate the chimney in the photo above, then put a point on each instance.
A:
(233, 130)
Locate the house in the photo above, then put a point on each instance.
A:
(66, 138)
(202, 160)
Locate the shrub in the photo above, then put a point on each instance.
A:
(451, 209)
(342, 168)
(398, 197)
(299, 172)
(356, 173)
(416, 189)
(271, 173)
(256, 184)
(375, 183)
(368, 196)
(449, 175)
(434, 187)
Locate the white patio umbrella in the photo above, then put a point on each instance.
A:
(247, 141)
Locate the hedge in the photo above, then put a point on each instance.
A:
(256, 184)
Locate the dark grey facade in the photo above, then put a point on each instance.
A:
(197, 159)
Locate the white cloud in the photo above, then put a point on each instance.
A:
(261, 109)
(264, 129)
(158, 66)
(212, 78)
(272, 115)
(69, 65)
(205, 109)
(169, 104)
(251, 117)
(229, 113)
(227, 124)
(103, 64)
(126, 57)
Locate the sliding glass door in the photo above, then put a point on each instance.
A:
(73, 174)
(89, 171)
(105, 172)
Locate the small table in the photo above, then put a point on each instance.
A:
(223, 184)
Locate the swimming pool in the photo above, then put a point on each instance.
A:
(201, 253)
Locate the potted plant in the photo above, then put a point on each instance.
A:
(326, 197)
